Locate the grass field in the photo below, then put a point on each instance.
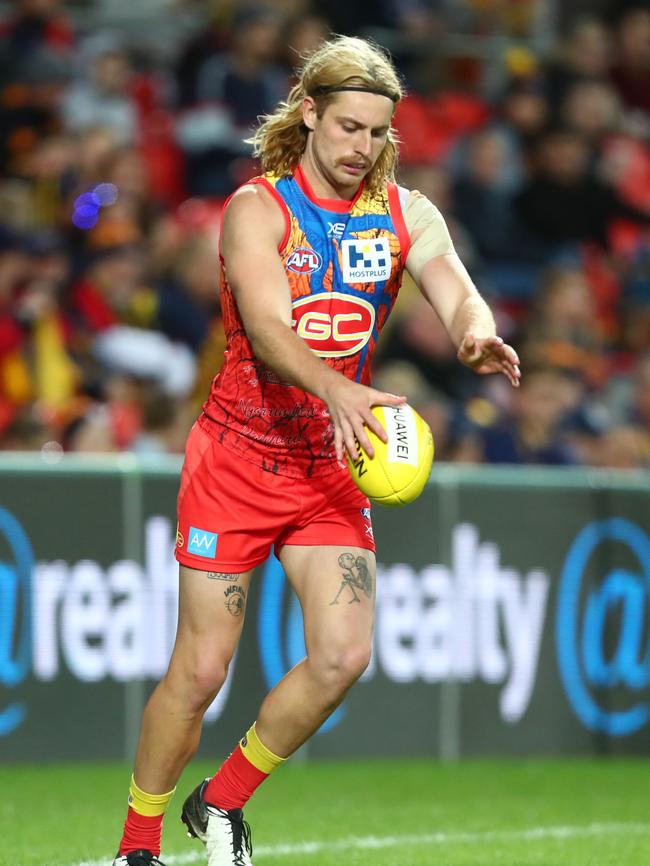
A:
(379, 813)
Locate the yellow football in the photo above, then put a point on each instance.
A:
(398, 472)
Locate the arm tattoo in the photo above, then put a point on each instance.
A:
(355, 575)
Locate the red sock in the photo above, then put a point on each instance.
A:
(141, 831)
(234, 783)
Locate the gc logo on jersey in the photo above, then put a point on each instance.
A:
(333, 324)
(304, 261)
(366, 260)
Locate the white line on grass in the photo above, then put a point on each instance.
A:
(360, 843)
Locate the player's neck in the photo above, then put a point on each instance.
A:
(322, 186)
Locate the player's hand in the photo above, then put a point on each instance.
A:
(350, 407)
(490, 355)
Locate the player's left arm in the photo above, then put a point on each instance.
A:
(445, 283)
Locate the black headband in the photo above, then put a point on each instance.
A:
(335, 88)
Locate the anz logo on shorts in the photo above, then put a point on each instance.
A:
(202, 543)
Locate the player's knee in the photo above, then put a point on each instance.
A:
(356, 659)
(340, 667)
(207, 679)
(199, 679)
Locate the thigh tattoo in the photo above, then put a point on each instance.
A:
(235, 600)
(235, 595)
(355, 575)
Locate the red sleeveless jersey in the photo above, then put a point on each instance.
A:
(344, 262)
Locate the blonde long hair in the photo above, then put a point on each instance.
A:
(345, 61)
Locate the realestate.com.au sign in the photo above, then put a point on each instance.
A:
(478, 621)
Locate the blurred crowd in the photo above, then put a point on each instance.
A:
(116, 161)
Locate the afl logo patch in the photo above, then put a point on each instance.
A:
(304, 261)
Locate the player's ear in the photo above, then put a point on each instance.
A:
(309, 113)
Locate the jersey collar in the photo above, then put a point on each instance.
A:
(331, 204)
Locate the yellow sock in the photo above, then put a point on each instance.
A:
(150, 805)
(256, 752)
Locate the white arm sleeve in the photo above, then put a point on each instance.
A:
(428, 232)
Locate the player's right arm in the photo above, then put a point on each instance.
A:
(445, 283)
(252, 229)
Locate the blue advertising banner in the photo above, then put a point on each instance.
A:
(513, 616)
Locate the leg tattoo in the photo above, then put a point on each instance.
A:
(355, 576)
(235, 600)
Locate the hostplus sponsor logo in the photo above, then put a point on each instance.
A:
(366, 261)
(603, 626)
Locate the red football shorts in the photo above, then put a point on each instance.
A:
(232, 512)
